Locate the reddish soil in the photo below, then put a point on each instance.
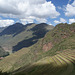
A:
(47, 47)
(64, 36)
(73, 30)
(1, 58)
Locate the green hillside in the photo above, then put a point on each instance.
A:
(3, 53)
(17, 36)
(59, 40)
(62, 35)
(60, 64)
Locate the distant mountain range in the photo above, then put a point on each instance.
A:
(53, 54)
(18, 36)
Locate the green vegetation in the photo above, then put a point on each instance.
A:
(60, 64)
(62, 37)
(18, 36)
(3, 53)
(5, 73)
(54, 54)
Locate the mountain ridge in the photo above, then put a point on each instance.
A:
(26, 57)
(11, 36)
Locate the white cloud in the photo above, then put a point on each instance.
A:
(28, 8)
(71, 21)
(62, 20)
(59, 7)
(31, 20)
(23, 21)
(70, 9)
(56, 22)
(7, 22)
(41, 20)
(27, 20)
(49, 23)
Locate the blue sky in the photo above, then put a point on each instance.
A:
(51, 12)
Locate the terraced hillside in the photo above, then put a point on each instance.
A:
(17, 36)
(60, 64)
(52, 44)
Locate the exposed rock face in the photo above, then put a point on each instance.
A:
(47, 47)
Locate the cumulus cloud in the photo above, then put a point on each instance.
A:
(71, 21)
(28, 8)
(62, 20)
(70, 9)
(7, 22)
(25, 21)
(31, 20)
(49, 23)
(56, 21)
(41, 20)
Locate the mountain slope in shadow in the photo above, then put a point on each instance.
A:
(38, 32)
(17, 36)
(13, 29)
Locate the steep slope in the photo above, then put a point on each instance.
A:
(61, 37)
(1, 29)
(13, 29)
(18, 35)
(52, 44)
(3, 53)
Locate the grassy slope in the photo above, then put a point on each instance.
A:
(60, 64)
(2, 52)
(8, 62)
(36, 53)
(56, 38)
(7, 41)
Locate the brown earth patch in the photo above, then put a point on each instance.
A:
(47, 46)
(73, 30)
(65, 36)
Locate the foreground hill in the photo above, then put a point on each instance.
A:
(60, 39)
(17, 36)
(60, 64)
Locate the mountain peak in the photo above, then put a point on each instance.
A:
(12, 29)
(18, 24)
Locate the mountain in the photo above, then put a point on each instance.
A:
(1, 29)
(60, 64)
(60, 38)
(53, 54)
(17, 36)
(13, 29)
(3, 53)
